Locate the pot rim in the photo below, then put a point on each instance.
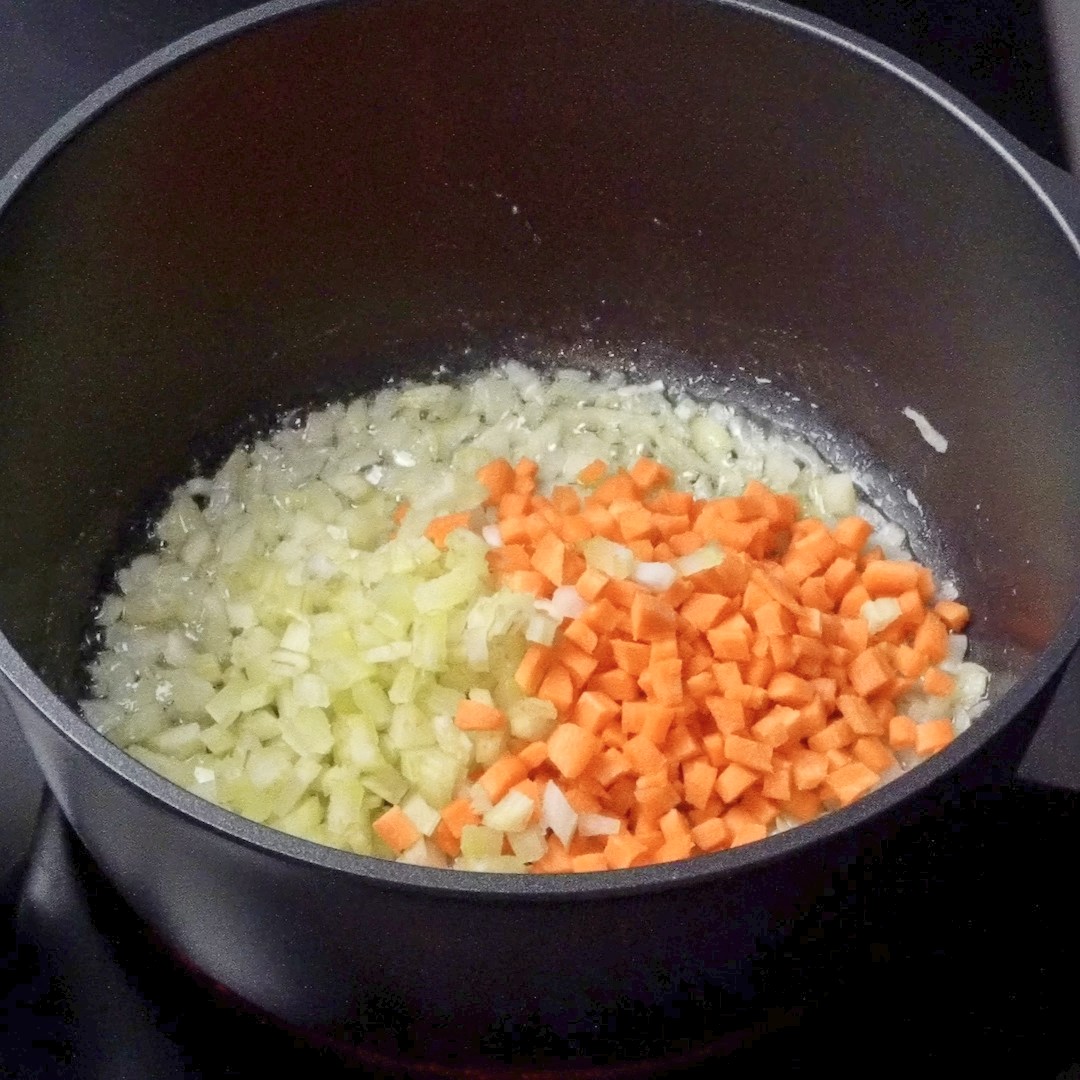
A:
(540, 888)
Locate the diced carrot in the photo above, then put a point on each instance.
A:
(954, 615)
(529, 581)
(498, 477)
(674, 826)
(711, 835)
(602, 616)
(501, 775)
(667, 681)
(852, 533)
(754, 685)
(655, 801)
(591, 584)
(701, 685)
(809, 534)
(851, 603)
(476, 716)
(728, 676)
(659, 778)
(931, 639)
(623, 850)
(704, 610)
(840, 577)
(853, 635)
(836, 736)
(617, 684)
(592, 861)
(713, 745)
(748, 833)
(556, 860)
(440, 528)
(565, 500)
(813, 718)
(549, 557)
(630, 656)
(775, 727)
(594, 710)
(762, 810)
(902, 733)
(730, 639)
(777, 784)
(458, 813)
(933, 735)
(643, 755)
(681, 744)
(803, 805)
(669, 525)
(513, 531)
(868, 672)
(673, 850)
(508, 558)
(910, 662)
(685, 543)
(699, 781)
(729, 715)
(772, 618)
(609, 765)
(616, 488)
(803, 566)
(873, 753)
(570, 748)
(577, 662)
(826, 690)
(532, 755)
(886, 577)
(448, 843)
(938, 683)
(557, 687)
(396, 830)
(788, 689)
(651, 618)
(814, 593)
(592, 474)
(838, 758)
(734, 781)
(655, 719)
(849, 782)
(663, 649)
(749, 752)
(860, 716)
(926, 585)
(635, 523)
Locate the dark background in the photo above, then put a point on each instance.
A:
(74, 961)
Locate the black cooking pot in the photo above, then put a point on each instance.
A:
(305, 199)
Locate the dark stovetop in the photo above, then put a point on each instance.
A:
(968, 954)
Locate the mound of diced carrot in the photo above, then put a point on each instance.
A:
(698, 714)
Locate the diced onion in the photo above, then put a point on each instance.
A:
(880, 613)
(655, 575)
(597, 825)
(557, 814)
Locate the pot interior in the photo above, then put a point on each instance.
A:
(362, 190)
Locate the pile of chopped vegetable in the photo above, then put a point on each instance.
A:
(517, 624)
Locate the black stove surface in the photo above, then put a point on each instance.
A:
(975, 961)
(970, 955)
